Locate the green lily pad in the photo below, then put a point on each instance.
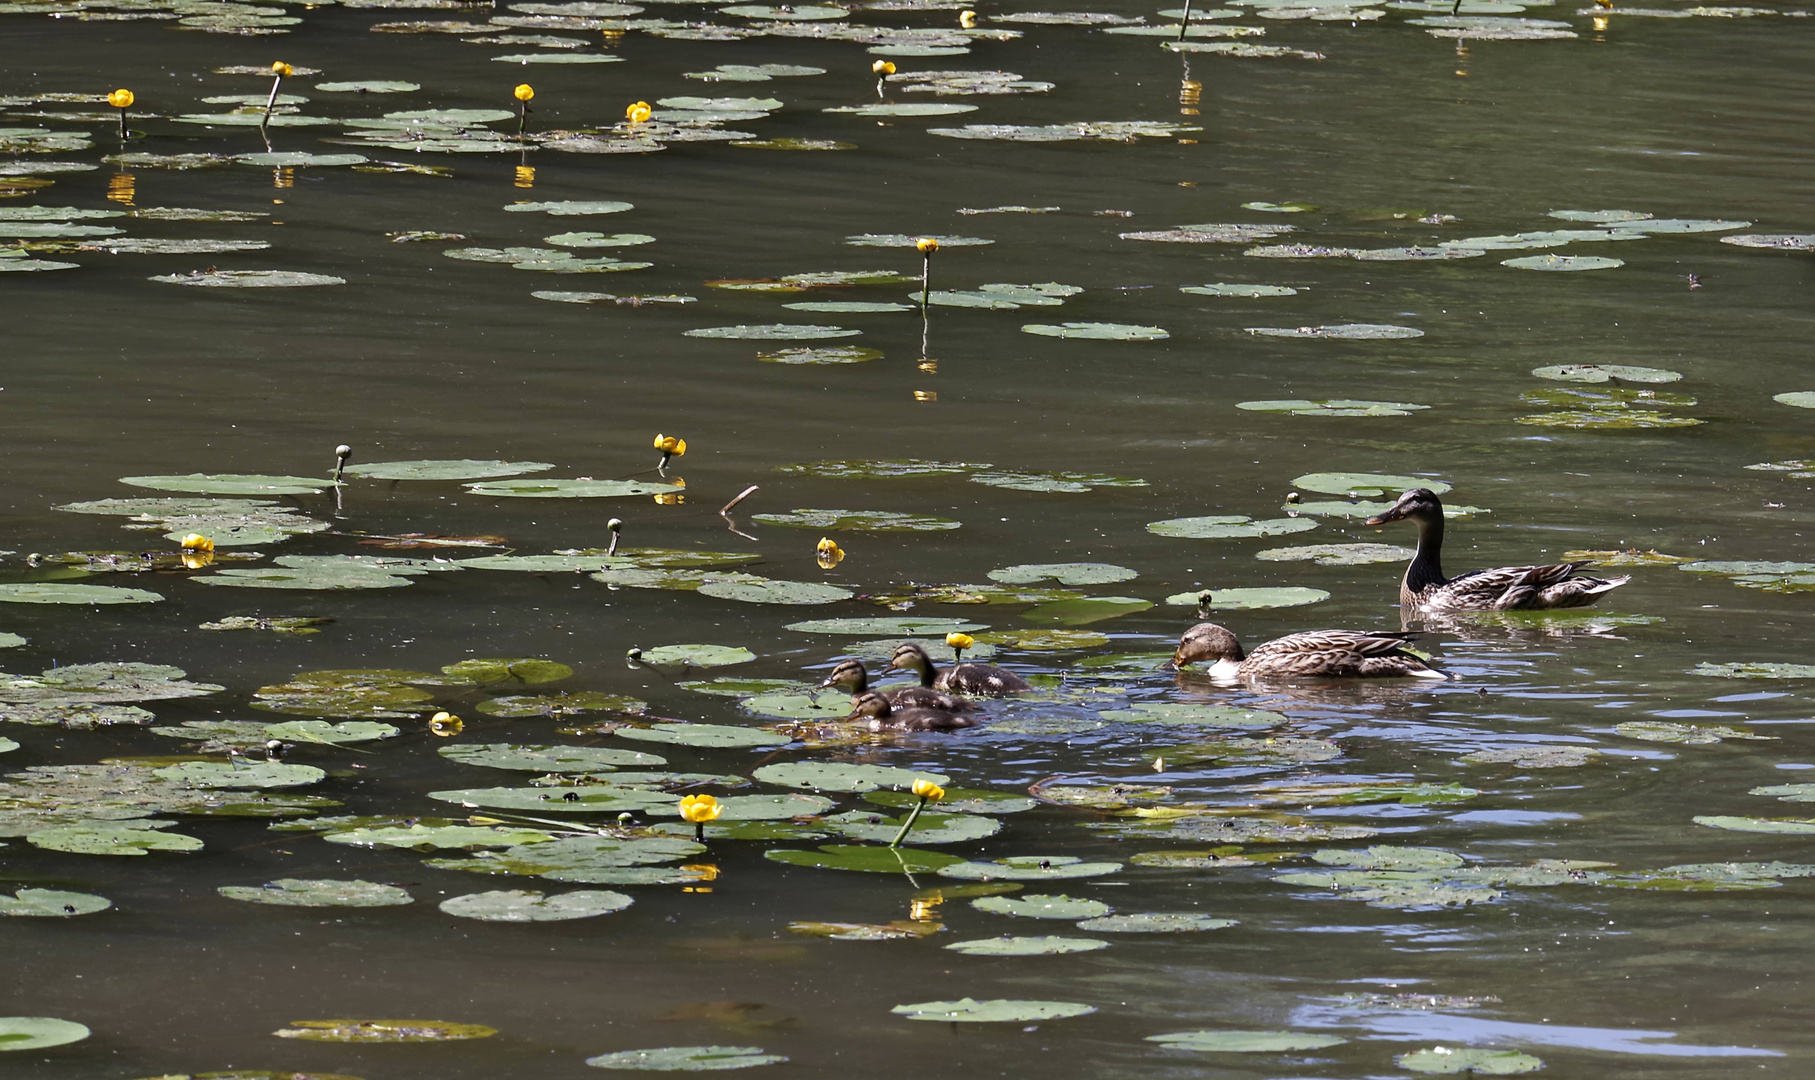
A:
(259, 774)
(56, 592)
(704, 735)
(1366, 485)
(301, 892)
(495, 671)
(548, 759)
(384, 1031)
(592, 798)
(804, 705)
(865, 859)
(1097, 331)
(1371, 509)
(1803, 399)
(1082, 573)
(1563, 262)
(1027, 946)
(1797, 826)
(325, 734)
(1090, 609)
(1154, 922)
(1696, 734)
(355, 694)
(277, 624)
(751, 589)
(232, 484)
(1600, 373)
(1787, 792)
(698, 655)
(831, 354)
(1338, 554)
(959, 801)
(103, 838)
(1755, 671)
(1029, 868)
(1333, 407)
(103, 682)
(463, 469)
(773, 332)
(910, 108)
(1263, 752)
(879, 470)
(1037, 906)
(1537, 757)
(852, 307)
(929, 828)
(38, 1032)
(49, 903)
(1045, 640)
(840, 776)
(1234, 289)
(858, 521)
(1228, 526)
(907, 626)
(1252, 599)
(1246, 1042)
(560, 208)
(729, 686)
(1001, 1010)
(758, 807)
(423, 837)
(598, 240)
(519, 905)
(686, 1058)
(1069, 482)
(570, 489)
(1194, 715)
(561, 706)
(1476, 1061)
(248, 279)
(1340, 331)
(1389, 857)
(368, 86)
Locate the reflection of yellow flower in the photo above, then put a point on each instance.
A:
(197, 542)
(928, 790)
(926, 245)
(959, 641)
(278, 67)
(829, 553)
(197, 560)
(670, 445)
(700, 809)
(637, 112)
(706, 871)
(445, 724)
(967, 19)
(120, 98)
(925, 910)
(523, 92)
(883, 67)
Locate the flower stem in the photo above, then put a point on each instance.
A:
(699, 832)
(926, 277)
(908, 826)
(271, 101)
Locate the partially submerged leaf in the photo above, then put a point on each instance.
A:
(970, 1010)
(686, 1058)
(384, 1031)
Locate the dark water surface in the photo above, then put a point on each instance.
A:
(417, 355)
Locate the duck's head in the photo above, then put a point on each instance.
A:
(1207, 641)
(1419, 504)
(910, 657)
(871, 705)
(849, 674)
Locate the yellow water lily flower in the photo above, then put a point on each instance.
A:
(959, 641)
(883, 67)
(120, 98)
(671, 445)
(197, 542)
(928, 790)
(279, 68)
(926, 245)
(445, 724)
(700, 809)
(637, 112)
(967, 20)
(524, 92)
(828, 553)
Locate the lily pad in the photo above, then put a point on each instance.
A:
(839, 776)
(48, 903)
(1781, 242)
(1693, 734)
(751, 589)
(1029, 868)
(686, 1058)
(1538, 757)
(54, 592)
(1027, 946)
(1246, 1042)
(423, 837)
(1070, 482)
(561, 208)
(248, 279)
(1000, 1010)
(1563, 262)
(561, 706)
(704, 735)
(929, 828)
(463, 469)
(1333, 407)
(1366, 485)
(1337, 554)
(1090, 609)
(697, 655)
(548, 759)
(1342, 331)
(570, 489)
(323, 733)
(858, 521)
(1803, 399)
(865, 859)
(1795, 826)
(774, 332)
(38, 1032)
(1155, 922)
(232, 484)
(884, 625)
(1600, 373)
(1476, 1061)
(1082, 573)
(1097, 331)
(1037, 906)
(301, 892)
(384, 1031)
(519, 905)
(1755, 670)
(230, 774)
(831, 354)
(1236, 289)
(104, 838)
(1228, 526)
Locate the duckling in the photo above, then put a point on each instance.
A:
(851, 675)
(1502, 588)
(1339, 653)
(885, 717)
(966, 678)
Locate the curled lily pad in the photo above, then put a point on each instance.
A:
(38, 1032)
(54, 592)
(1246, 1042)
(1154, 922)
(839, 776)
(705, 735)
(970, 1010)
(301, 892)
(1227, 526)
(686, 1058)
(1344, 331)
(774, 332)
(384, 1031)
(1096, 331)
(49, 903)
(1600, 373)
(865, 859)
(1333, 407)
(464, 469)
(1337, 554)
(1027, 946)
(697, 655)
(570, 489)
(548, 759)
(520, 905)
(1083, 573)
(1473, 1060)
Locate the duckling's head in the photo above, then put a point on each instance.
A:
(1207, 641)
(849, 674)
(870, 704)
(910, 657)
(1419, 504)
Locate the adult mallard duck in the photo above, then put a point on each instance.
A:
(1502, 588)
(886, 717)
(964, 678)
(1339, 653)
(850, 675)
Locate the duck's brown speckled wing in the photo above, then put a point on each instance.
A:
(1333, 652)
(980, 679)
(1514, 588)
(926, 697)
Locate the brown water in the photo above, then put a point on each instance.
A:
(106, 374)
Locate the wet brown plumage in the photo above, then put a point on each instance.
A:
(964, 678)
(886, 717)
(1365, 654)
(850, 675)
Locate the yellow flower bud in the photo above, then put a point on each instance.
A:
(829, 553)
(883, 67)
(523, 92)
(959, 641)
(928, 790)
(637, 112)
(445, 724)
(120, 98)
(967, 20)
(926, 245)
(278, 67)
(670, 445)
(700, 809)
(197, 542)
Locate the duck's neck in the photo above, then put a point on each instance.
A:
(1426, 570)
(927, 673)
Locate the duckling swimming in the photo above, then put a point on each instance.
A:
(1502, 588)
(850, 675)
(964, 678)
(886, 717)
(1364, 654)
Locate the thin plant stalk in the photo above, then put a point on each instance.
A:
(1184, 24)
(271, 101)
(908, 826)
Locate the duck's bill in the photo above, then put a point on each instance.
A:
(1393, 514)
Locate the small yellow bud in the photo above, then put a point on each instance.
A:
(197, 542)
(928, 790)
(926, 245)
(700, 809)
(523, 92)
(445, 725)
(120, 98)
(281, 69)
(959, 641)
(967, 20)
(670, 445)
(637, 112)
(829, 553)
(883, 67)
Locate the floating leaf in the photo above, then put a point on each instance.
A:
(1366, 485)
(1239, 752)
(548, 759)
(1343, 331)
(570, 489)
(592, 798)
(698, 655)
(301, 892)
(838, 776)
(464, 469)
(1781, 242)
(704, 735)
(1097, 331)
(1798, 826)
(423, 837)
(1333, 407)
(859, 521)
(1090, 609)
(324, 733)
(1563, 262)
(774, 332)
(519, 905)
(248, 279)
(1027, 946)
(833, 354)
(687, 1058)
(1193, 714)
(907, 626)
(1053, 481)
(1234, 289)
(231, 774)
(1699, 734)
(1337, 554)
(1035, 906)
(1477, 1061)
(1755, 670)
(751, 589)
(1246, 1042)
(1227, 526)
(930, 828)
(970, 1010)
(1804, 399)
(865, 859)
(1600, 373)
(1029, 868)
(50, 592)
(924, 108)
(38, 1032)
(563, 208)
(1154, 922)
(1538, 757)
(561, 706)
(959, 801)
(48, 903)
(232, 484)
(384, 1031)
(368, 86)
(102, 838)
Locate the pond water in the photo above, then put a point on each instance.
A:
(1358, 869)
